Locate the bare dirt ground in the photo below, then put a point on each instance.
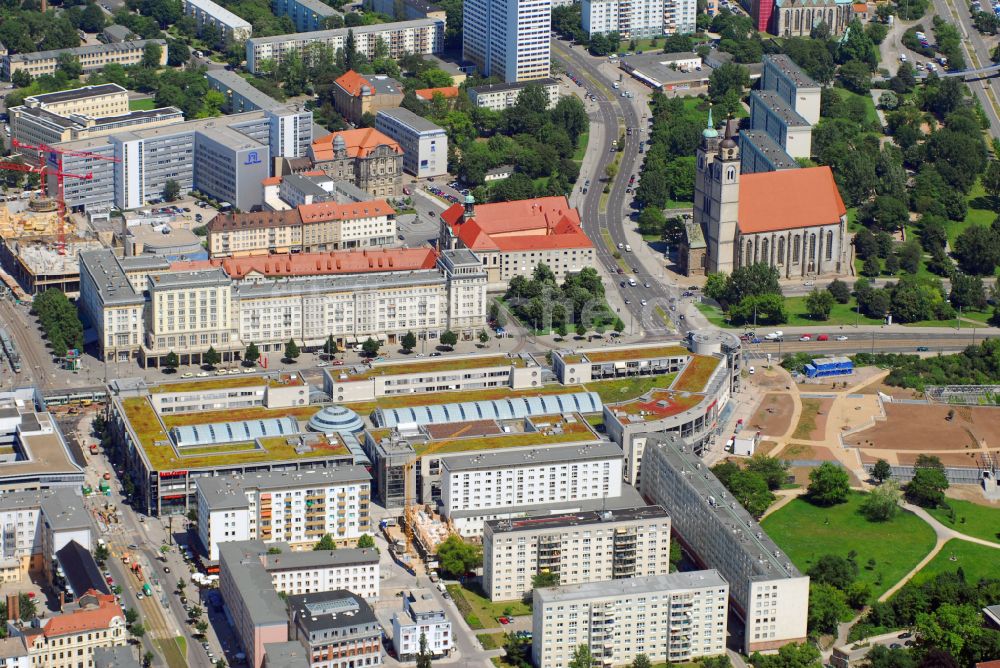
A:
(801, 451)
(895, 392)
(774, 415)
(770, 379)
(926, 428)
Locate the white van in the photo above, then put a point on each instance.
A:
(628, 248)
(632, 282)
(615, 85)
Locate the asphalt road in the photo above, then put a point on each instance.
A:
(615, 111)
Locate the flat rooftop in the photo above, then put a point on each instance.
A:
(254, 585)
(630, 498)
(697, 373)
(323, 35)
(558, 431)
(780, 108)
(237, 85)
(409, 119)
(579, 519)
(224, 491)
(533, 457)
(759, 547)
(335, 609)
(429, 366)
(787, 66)
(47, 454)
(632, 586)
(130, 46)
(626, 354)
(163, 456)
(501, 87)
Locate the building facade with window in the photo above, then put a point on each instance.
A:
(508, 39)
(669, 618)
(576, 547)
(424, 144)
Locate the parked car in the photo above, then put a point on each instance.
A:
(823, 337)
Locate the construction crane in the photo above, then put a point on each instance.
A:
(60, 175)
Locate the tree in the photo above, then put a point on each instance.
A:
(803, 655)
(834, 570)
(131, 616)
(484, 338)
(561, 330)
(882, 471)
(92, 18)
(69, 65)
(138, 630)
(618, 326)
(951, 628)
(325, 543)
(977, 250)
(773, 470)
(449, 338)
(872, 267)
(582, 658)
(819, 303)
(751, 490)
(839, 290)
(730, 78)
(101, 554)
(856, 77)
(201, 626)
(192, 516)
(544, 579)
(458, 557)
(147, 658)
(928, 484)
(181, 585)
(408, 342)
(370, 347)
(28, 607)
(423, 656)
(968, 291)
(366, 541)
(882, 503)
(888, 100)
(292, 351)
(171, 361)
(251, 354)
(991, 182)
(641, 661)
(829, 484)
(651, 220)
(171, 190)
(152, 54)
(827, 605)
(211, 357)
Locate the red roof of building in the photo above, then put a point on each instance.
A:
(87, 619)
(543, 223)
(319, 264)
(447, 92)
(860, 7)
(793, 198)
(352, 82)
(320, 212)
(359, 143)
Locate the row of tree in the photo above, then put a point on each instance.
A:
(976, 365)
(543, 304)
(59, 320)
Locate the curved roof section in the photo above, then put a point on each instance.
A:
(497, 409)
(336, 419)
(233, 432)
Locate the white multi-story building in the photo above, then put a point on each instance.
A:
(421, 616)
(493, 480)
(768, 592)
(227, 304)
(508, 39)
(679, 16)
(631, 19)
(669, 618)
(425, 145)
(36, 525)
(578, 547)
(420, 36)
(297, 507)
(206, 12)
(502, 96)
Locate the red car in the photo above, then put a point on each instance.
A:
(823, 337)
(504, 620)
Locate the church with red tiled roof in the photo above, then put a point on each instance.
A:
(792, 219)
(512, 238)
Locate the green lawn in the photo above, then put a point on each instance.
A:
(979, 213)
(581, 150)
(173, 651)
(144, 104)
(972, 519)
(490, 640)
(626, 389)
(806, 532)
(841, 314)
(976, 561)
(479, 611)
(870, 114)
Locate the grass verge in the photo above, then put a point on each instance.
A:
(473, 603)
(173, 651)
(971, 519)
(807, 420)
(490, 640)
(976, 561)
(807, 532)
